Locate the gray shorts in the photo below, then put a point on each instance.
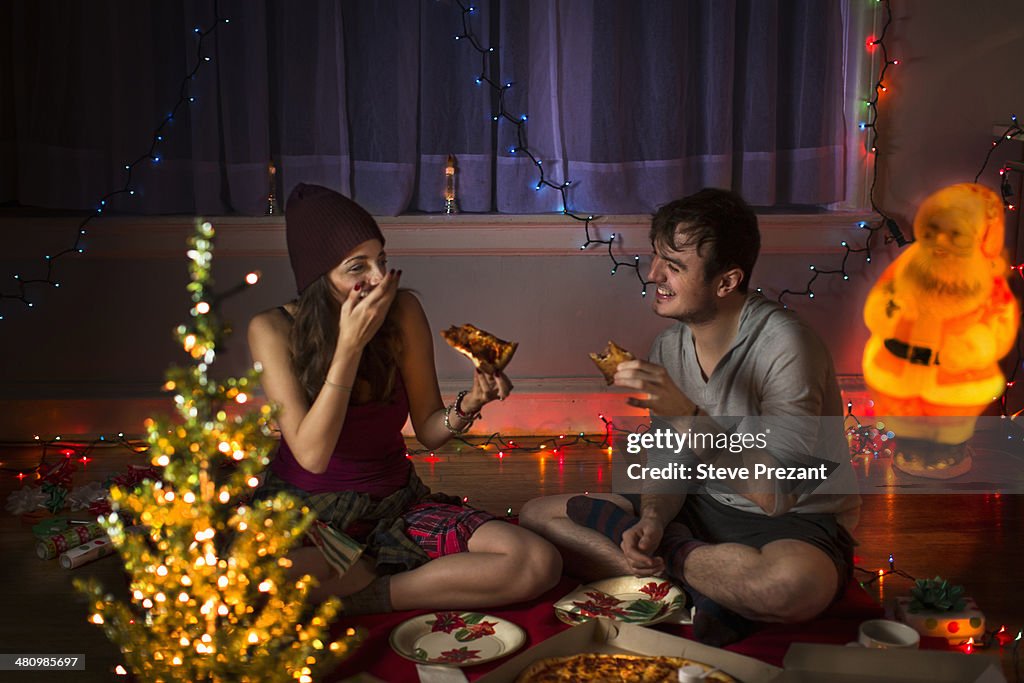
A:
(716, 522)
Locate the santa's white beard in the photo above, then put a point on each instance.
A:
(956, 285)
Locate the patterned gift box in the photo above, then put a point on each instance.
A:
(954, 626)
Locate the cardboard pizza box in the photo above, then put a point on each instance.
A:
(806, 662)
(602, 635)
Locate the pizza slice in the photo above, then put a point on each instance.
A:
(488, 353)
(608, 360)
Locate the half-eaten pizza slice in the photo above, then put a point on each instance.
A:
(488, 353)
(608, 360)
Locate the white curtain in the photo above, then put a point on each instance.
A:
(636, 102)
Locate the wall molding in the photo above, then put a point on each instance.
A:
(538, 406)
(162, 237)
(14, 392)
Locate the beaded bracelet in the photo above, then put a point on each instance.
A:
(454, 405)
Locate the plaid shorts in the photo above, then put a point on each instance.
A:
(442, 529)
(400, 532)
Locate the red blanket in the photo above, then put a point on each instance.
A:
(838, 625)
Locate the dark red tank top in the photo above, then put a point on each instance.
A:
(369, 456)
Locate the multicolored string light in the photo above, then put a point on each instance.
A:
(556, 443)
(71, 449)
(879, 574)
(505, 445)
(151, 156)
(522, 148)
(1013, 131)
(866, 439)
(206, 304)
(885, 222)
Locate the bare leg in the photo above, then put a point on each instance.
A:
(311, 561)
(505, 564)
(784, 581)
(587, 554)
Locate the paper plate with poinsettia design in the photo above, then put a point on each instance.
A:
(629, 599)
(456, 638)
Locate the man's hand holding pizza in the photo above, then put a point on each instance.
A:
(664, 397)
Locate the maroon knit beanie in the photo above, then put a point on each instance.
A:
(321, 227)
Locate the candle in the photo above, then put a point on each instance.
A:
(271, 189)
(449, 186)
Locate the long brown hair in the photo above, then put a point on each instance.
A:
(314, 336)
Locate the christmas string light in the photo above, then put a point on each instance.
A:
(894, 233)
(206, 307)
(505, 444)
(151, 155)
(885, 221)
(71, 450)
(879, 574)
(1005, 188)
(522, 148)
(867, 439)
(1012, 130)
(557, 443)
(1011, 380)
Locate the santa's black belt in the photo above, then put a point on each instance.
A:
(917, 355)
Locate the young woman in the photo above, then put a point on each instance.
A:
(347, 363)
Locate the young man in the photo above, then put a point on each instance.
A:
(744, 553)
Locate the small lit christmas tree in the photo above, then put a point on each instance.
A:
(211, 600)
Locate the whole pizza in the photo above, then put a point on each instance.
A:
(625, 668)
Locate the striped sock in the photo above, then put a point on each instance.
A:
(676, 545)
(712, 624)
(603, 516)
(715, 625)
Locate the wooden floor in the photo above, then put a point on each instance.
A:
(973, 539)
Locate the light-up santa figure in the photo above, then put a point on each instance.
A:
(941, 316)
